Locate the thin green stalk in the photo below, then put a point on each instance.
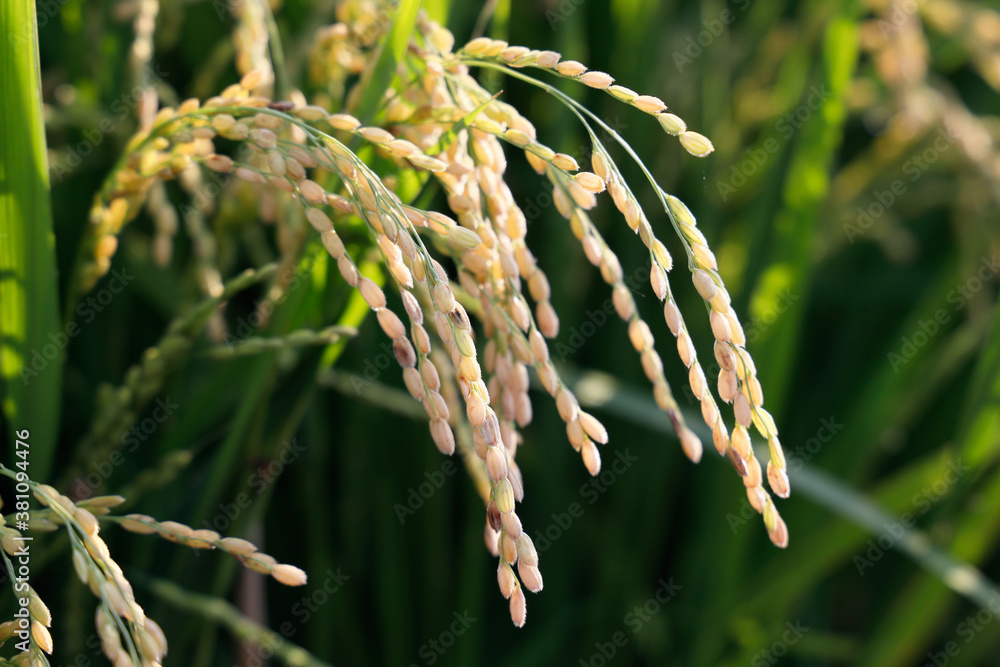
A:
(580, 111)
(282, 84)
(298, 338)
(120, 408)
(599, 390)
(221, 612)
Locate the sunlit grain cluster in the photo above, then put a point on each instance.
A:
(443, 126)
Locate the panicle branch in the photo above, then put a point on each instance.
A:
(438, 125)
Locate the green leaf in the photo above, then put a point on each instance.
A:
(980, 417)
(378, 79)
(31, 340)
(805, 190)
(954, 571)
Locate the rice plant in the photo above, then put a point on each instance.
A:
(379, 145)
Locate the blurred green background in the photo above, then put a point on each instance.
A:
(853, 203)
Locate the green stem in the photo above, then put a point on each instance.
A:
(600, 390)
(221, 612)
(282, 83)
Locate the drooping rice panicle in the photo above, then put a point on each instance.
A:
(721, 314)
(302, 161)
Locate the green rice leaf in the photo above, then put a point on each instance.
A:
(380, 77)
(31, 341)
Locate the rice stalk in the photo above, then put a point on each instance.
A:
(305, 161)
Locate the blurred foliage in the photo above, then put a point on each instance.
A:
(853, 202)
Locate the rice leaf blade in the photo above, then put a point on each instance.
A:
(30, 353)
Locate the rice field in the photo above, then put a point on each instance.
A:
(515, 333)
